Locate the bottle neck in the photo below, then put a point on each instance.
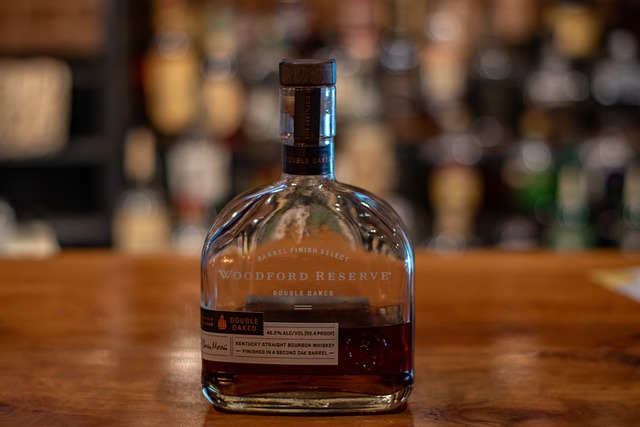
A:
(307, 128)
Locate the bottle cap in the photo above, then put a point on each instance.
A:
(307, 72)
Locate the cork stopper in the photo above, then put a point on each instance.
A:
(307, 72)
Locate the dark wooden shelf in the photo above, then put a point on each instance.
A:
(75, 189)
(79, 152)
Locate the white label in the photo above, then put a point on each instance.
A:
(281, 344)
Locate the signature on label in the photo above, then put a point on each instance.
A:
(213, 345)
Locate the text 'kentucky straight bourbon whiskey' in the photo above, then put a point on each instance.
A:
(307, 283)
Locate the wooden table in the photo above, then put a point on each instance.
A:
(97, 338)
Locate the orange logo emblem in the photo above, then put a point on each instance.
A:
(222, 323)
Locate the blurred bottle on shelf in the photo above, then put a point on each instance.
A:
(171, 69)
(449, 31)
(455, 189)
(199, 180)
(141, 220)
(7, 225)
(554, 83)
(502, 57)
(606, 157)
(35, 106)
(575, 28)
(268, 44)
(629, 226)
(354, 45)
(616, 78)
(529, 172)
(223, 92)
(399, 72)
(572, 229)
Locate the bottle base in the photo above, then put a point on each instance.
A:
(310, 402)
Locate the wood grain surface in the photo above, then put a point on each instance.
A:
(502, 339)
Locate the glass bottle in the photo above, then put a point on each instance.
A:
(171, 69)
(307, 283)
(141, 221)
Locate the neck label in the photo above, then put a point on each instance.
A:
(303, 160)
(306, 124)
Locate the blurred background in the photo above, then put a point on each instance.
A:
(510, 124)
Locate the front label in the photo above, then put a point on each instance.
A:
(282, 303)
(281, 343)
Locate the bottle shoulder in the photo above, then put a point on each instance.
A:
(307, 211)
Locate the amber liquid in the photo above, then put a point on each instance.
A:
(371, 361)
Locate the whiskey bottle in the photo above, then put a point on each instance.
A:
(141, 220)
(307, 283)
